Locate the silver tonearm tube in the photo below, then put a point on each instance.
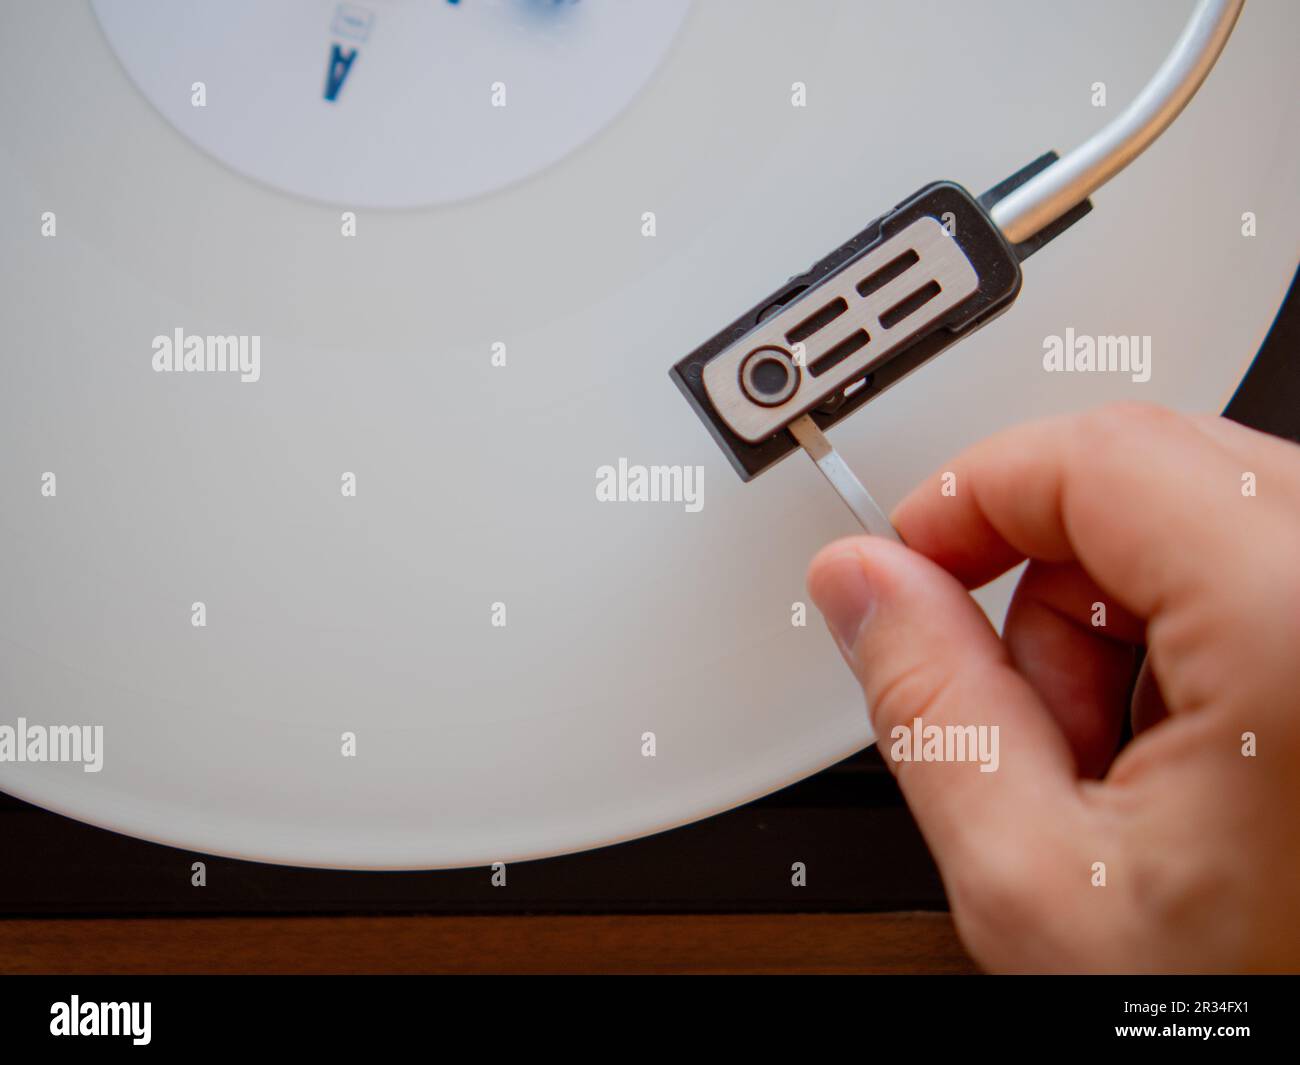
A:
(1071, 180)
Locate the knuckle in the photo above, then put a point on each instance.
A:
(995, 892)
(1182, 893)
(913, 691)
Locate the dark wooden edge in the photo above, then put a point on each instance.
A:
(725, 943)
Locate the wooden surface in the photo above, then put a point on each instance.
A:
(763, 943)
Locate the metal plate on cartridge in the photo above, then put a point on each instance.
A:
(843, 327)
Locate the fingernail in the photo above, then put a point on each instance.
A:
(843, 594)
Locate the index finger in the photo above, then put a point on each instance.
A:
(1144, 500)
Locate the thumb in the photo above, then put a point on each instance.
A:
(974, 748)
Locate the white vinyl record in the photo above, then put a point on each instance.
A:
(389, 103)
(468, 659)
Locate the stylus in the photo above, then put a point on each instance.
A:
(842, 479)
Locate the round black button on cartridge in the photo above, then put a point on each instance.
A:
(769, 376)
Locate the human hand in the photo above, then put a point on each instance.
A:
(1196, 823)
